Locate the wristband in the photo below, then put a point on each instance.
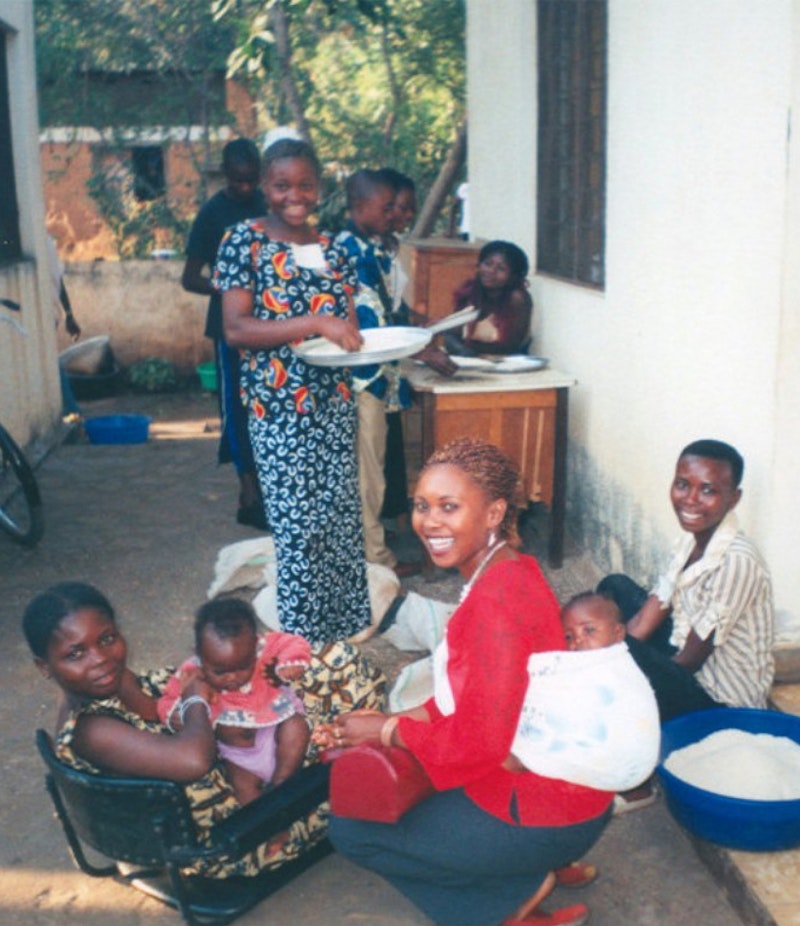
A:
(174, 711)
(188, 702)
(387, 730)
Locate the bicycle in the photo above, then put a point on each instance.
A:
(21, 513)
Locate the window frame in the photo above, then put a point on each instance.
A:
(10, 236)
(148, 184)
(572, 43)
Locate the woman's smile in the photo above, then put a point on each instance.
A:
(292, 190)
(438, 546)
(702, 493)
(453, 517)
(87, 654)
(108, 681)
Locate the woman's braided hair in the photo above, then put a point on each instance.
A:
(491, 470)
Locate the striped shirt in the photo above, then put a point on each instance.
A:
(726, 592)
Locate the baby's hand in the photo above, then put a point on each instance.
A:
(290, 673)
(322, 736)
(189, 673)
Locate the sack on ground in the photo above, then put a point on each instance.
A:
(589, 717)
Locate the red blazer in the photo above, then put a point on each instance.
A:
(510, 613)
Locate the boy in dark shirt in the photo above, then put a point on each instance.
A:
(240, 199)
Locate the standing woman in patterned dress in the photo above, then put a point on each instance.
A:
(282, 281)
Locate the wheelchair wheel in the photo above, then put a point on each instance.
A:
(21, 515)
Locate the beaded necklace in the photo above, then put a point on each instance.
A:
(479, 570)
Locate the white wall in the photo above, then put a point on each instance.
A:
(30, 400)
(696, 332)
(781, 539)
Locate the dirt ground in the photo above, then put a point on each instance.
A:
(144, 523)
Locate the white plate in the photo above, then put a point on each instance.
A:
(513, 363)
(380, 345)
(454, 321)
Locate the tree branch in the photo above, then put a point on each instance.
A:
(442, 185)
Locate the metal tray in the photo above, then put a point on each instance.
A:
(513, 363)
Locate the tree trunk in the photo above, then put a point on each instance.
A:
(442, 185)
(283, 48)
(394, 88)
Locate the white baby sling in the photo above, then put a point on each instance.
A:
(589, 717)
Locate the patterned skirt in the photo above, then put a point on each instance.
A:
(308, 473)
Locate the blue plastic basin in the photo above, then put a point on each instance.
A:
(754, 826)
(117, 429)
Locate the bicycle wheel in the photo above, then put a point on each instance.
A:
(21, 515)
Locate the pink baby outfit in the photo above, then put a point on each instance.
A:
(260, 703)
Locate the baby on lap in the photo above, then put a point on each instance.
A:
(258, 720)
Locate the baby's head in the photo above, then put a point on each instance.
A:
(225, 642)
(370, 202)
(591, 621)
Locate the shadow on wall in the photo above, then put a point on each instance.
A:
(603, 518)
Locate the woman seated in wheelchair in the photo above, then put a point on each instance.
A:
(108, 719)
(258, 720)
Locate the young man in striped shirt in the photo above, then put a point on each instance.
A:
(704, 634)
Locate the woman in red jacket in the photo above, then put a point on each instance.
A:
(493, 833)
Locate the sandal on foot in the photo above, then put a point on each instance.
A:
(575, 915)
(532, 903)
(575, 875)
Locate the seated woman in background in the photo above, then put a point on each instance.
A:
(499, 291)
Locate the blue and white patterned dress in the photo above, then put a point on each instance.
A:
(302, 422)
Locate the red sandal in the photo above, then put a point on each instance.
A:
(575, 915)
(575, 875)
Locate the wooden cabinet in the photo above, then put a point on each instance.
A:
(438, 267)
(523, 424)
(524, 414)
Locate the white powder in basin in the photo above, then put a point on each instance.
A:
(753, 766)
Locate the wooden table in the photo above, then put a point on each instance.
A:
(523, 413)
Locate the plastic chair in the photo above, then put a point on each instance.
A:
(146, 827)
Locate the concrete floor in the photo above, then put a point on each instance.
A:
(144, 523)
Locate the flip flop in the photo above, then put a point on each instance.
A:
(575, 875)
(575, 915)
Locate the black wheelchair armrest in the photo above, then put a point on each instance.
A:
(273, 812)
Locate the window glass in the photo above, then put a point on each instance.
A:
(572, 40)
(148, 172)
(10, 248)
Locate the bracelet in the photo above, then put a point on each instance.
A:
(188, 702)
(387, 730)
